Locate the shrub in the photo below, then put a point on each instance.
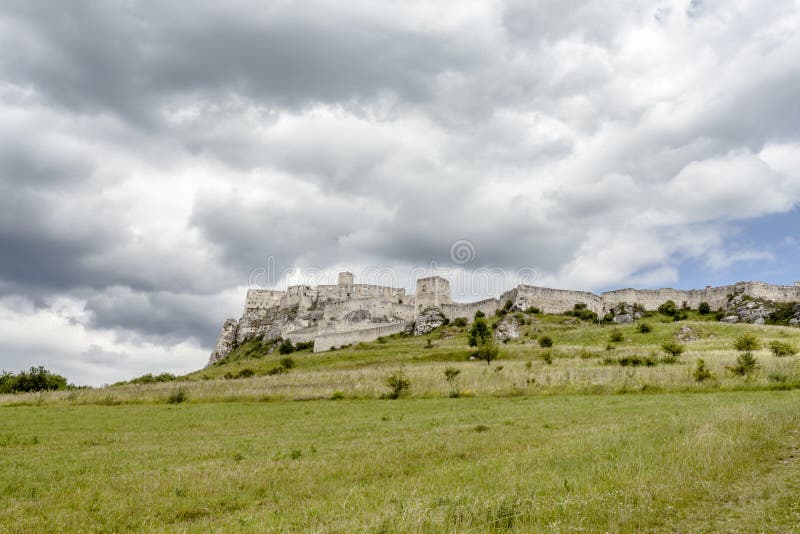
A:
(784, 311)
(277, 370)
(632, 361)
(460, 322)
(673, 349)
(337, 395)
(704, 308)
(178, 396)
(287, 362)
(747, 343)
(398, 383)
(680, 315)
(243, 373)
(533, 310)
(668, 308)
(429, 343)
(644, 328)
(545, 342)
(36, 379)
(286, 347)
(306, 345)
(149, 378)
(451, 373)
(479, 314)
(547, 357)
(780, 349)
(701, 372)
(745, 364)
(616, 336)
(582, 312)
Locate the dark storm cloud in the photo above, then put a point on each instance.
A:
(131, 58)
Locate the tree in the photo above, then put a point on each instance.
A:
(746, 363)
(704, 308)
(780, 348)
(36, 379)
(479, 333)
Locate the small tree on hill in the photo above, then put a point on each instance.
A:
(704, 308)
(479, 333)
(746, 363)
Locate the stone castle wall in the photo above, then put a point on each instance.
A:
(555, 300)
(331, 341)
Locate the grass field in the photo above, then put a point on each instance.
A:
(540, 440)
(685, 462)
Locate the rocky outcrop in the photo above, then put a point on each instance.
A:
(507, 329)
(745, 309)
(428, 320)
(226, 341)
(625, 313)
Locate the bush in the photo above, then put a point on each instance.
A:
(547, 357)
(306, 345)
(479, 314)
(337, 395)
(287, 362)
(36, 379)
(632, 361)
(747, 343)
(451, 373)
(616, 336)
(780, 349)
(668, 308)
(277, 370)
(581, 311)
(644, 328)
(745, 364)
(149, 378)
(460, 322)
(680, 315)
(673, 349)
(701, 372)
(286, 347)
(784, 311)
(398, 383)
(244, 373)
(178, 396)
(545, 342)
(704, 308)
(533, 310)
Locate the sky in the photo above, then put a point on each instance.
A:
(159, 158)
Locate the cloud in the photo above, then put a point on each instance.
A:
(153, 156)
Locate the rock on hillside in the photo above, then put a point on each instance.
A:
(507, 329)
(428, 320)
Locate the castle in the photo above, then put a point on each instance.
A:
(336, 315)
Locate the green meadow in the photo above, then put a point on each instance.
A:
(601, 432)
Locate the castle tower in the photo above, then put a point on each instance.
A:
(346, 281)
(432, 292)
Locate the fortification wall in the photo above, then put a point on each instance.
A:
(330, 341)
(376, 307)
(263, 298)
(716, 297)
(556, 300)
(467, 310)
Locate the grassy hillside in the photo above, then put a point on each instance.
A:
(583, 359)
(563, 438)
(671, 462)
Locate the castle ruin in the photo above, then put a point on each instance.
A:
(333, 316)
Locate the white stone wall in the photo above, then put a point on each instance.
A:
(330, 341)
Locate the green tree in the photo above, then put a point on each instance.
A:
(479, 332)
(668, 308)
